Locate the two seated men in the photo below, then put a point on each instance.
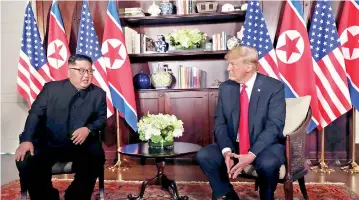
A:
(68, 114)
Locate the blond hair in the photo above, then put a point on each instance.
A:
(249, 55)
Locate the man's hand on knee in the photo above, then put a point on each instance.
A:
(229, 162)
(79, 136)
(243, 161)
(23, 148)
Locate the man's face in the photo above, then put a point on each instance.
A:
(237, 70)
(81, 74)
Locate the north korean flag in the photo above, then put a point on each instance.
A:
(295, 58)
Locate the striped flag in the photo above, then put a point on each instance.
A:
(328, 64)
(33, 71)
(349, 38)
(295, 59)
(118, 67)
(256, 35)
(87, 44)
(58, 51)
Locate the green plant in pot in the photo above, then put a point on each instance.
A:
(186, 39)
(160, 130)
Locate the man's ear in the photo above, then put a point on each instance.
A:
(249, 67)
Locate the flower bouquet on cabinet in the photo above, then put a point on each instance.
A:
(186, 39)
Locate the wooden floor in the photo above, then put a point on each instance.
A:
(187, 171)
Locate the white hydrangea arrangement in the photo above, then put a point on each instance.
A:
(160, 128)
(186, 38)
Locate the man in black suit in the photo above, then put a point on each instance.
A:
(63, 125)
(249, 121)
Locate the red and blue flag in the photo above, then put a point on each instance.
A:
(118, 65)
(58, 51)
(295, 58)
(349, 39)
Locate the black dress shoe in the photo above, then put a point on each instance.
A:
(232, 195)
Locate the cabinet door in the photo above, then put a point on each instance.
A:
(192, 108)
(152, 102)
(212, 103)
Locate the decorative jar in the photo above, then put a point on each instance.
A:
(166, 8)
(142, 81)
(154, 10)
(233, 42)
(161, 79)
(161, 44)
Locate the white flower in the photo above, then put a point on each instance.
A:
(148, 135)
(150, 131)
(177, 132)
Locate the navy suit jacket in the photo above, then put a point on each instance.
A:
(267, 111)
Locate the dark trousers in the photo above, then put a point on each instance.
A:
(35, 171)
(266, 164)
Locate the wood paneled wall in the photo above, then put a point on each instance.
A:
(336, 135)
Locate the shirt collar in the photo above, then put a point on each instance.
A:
(82, 92)
(250, 82)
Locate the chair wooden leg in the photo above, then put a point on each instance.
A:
(256, 185)
(288, 190)
(301, 182)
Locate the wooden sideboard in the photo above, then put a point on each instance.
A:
(194, 107)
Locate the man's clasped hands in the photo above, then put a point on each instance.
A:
(244, 160)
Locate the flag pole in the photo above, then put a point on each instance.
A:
(352, 166)
(119, 165)
(321, 166)
(118, 138)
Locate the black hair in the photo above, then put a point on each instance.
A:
(78, 57)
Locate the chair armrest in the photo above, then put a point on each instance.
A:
(295, 148)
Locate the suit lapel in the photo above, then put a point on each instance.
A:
(235, 112)
(253, 102)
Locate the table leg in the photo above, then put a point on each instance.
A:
(159, 179)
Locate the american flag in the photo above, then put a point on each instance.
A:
(33, 71)
(349, 38)
(118, 67)
(256, 35)
(328, 64)
(87, 44)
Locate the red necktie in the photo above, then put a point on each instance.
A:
(243, 130)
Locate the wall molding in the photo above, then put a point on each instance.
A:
(12, 98)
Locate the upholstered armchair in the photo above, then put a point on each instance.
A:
(298, 116)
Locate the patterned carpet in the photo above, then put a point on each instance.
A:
(115, 190)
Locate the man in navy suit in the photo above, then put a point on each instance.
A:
(249, 122)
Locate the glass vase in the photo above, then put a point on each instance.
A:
(162, 145)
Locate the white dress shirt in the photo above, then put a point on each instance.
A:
(249, 84)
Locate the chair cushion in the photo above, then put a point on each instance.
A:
(249, 170)
(62, 168)
(296, 112)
